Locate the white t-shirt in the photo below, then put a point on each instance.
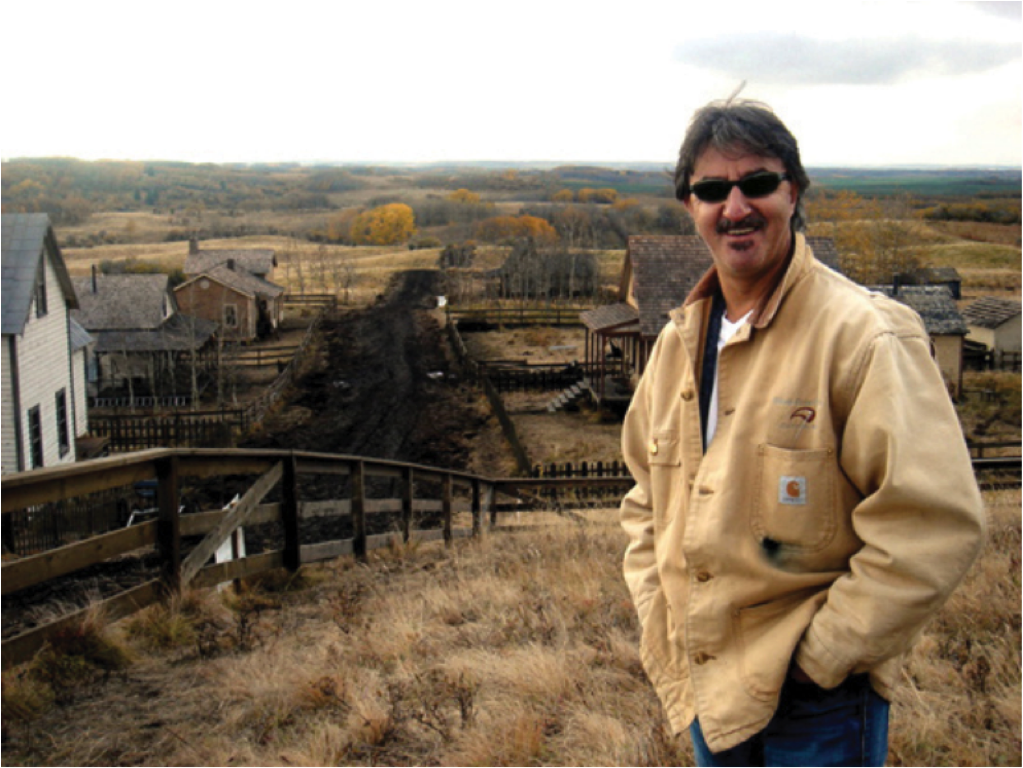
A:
(728, 330)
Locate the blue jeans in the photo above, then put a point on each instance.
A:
(847, 725)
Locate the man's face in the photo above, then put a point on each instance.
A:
(749, 237)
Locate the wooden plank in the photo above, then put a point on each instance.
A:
(198, 523)
(235, 517)
(327, 550)
(408, 498)
(242, 568)
(446, 510)
(289, 515)
(211, 463)
(322, 465)
(21, 648)
(38, 486)
(36, 569)
(359, 509)
(168, 524)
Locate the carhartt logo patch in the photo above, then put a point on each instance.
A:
(792, 490)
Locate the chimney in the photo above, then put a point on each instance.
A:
(230, 264)
(896, 283)
(193, 245)
(95, 287)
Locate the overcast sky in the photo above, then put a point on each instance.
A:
(858, 83)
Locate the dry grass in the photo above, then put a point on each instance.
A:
(517, 650)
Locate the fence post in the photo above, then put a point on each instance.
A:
(289, 514)
(446, 508)
(168, 525)
(359, 510)
(477, 510)
(408, 495)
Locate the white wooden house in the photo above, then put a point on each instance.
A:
(44, 350)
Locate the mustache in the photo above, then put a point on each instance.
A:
(754, 220)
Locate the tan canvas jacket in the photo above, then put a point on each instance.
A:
(833, 512)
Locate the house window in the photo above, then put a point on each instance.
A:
(230, 316)
(63, 434)
(41, 294)
(35, 436)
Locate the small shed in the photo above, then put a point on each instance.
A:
(995, 322)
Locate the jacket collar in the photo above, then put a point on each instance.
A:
(763, 314)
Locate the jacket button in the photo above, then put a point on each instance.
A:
(653, 447)
(703, 576)
(688, 395)
(706, 491)
(702, 658)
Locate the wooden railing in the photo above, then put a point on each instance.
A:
(499, 316)
(410, 493)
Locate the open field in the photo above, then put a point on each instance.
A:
(517, 650)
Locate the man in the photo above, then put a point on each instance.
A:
(804, 500)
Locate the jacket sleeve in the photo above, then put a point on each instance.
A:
(636, 513)
(921, 516)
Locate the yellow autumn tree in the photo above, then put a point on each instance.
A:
(464, 196)
(385, 225)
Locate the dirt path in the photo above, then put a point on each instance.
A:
(384, 387)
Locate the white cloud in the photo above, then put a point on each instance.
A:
(797, 59)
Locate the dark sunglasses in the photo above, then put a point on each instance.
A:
(759, 184)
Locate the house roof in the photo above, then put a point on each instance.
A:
(179, 334)
(259, 261)
(122, 302)
(665, 268)
(938, 274)
(609, 316)
(991, 311)
(239, 280)
(934, 304)
(26, 237)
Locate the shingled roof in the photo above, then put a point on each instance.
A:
(258, 261)
(991, 311)
(609, 316)
(934, 304)
(25, 239)
(665, 268)
(179, 334)
(122, 302)
(239, 280)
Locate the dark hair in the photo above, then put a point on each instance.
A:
(748, 126)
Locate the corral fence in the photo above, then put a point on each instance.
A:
(543, 377)
(299, 507)
(978, 357)
(996, 463)
(127, 433)
(479, 318)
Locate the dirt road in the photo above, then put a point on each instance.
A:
(383, 387)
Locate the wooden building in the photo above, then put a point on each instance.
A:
(44, 406)
(143, 344)
(245, 306)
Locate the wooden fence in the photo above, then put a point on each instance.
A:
(488, 317)
(182, 429)
(535, 377)
(418, 504)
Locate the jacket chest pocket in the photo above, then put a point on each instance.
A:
(794, 503)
